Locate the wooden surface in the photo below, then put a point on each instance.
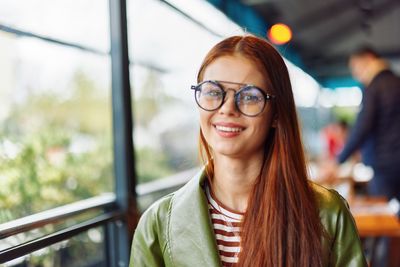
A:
(377, 225)
(374, 218)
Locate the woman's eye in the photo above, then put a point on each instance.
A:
(250, 98)
(213, 93)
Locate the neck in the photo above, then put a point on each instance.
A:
(234, 179)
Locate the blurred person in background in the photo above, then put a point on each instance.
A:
(252, 204)
(376, 131)
(335, 136)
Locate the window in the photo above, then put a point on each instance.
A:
(60, 114)
(55, 115)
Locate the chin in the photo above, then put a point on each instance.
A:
(230, 152)
(226, 151)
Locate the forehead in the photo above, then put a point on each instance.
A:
(235, 69)
(356, 59)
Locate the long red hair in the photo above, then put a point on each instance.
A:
(281, 225)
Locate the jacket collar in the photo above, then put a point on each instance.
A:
(192, 239)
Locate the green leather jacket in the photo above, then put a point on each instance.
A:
(177, 231)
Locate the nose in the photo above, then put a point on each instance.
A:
(229, 106)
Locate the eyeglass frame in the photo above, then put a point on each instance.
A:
(267, 97)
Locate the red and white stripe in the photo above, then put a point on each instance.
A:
(227, 227)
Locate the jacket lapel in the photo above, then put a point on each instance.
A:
(192, 240)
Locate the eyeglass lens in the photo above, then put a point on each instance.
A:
(249, 99)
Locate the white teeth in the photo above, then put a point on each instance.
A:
(228, 129)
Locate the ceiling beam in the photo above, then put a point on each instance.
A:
(327, 11)
(348, 27)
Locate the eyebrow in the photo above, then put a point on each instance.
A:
(243, 84)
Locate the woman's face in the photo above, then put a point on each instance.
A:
(226, 130)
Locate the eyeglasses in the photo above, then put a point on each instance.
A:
(249, 99)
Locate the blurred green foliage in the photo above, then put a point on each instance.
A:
(63, 147)
(346, 114)
(61, 150)
(151, 165)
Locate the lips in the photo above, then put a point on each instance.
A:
(228, 129)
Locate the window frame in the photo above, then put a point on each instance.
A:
(119, 212)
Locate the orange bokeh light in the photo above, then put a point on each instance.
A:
(280, 34)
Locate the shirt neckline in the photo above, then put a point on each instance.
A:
(220, 204)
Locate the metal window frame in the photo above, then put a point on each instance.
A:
(120, 211)
(53, 216)
(120, 233)
(19, 32)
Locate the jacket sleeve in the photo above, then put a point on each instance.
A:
(149, 240)
(346, 247)
(363, 126)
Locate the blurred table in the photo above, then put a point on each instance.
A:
(374, 218)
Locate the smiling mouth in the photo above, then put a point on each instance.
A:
(229, 129)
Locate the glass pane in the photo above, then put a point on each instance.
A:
(86, 249)
(84, 22)
(55, 126)
(164, 66)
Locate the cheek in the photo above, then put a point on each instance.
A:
(359, 69)
(204, 119)
(264, 126)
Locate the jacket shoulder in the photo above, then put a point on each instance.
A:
(341, 236)
(155, 218)
(159, 208)
(150, 240)
(328, 199)
(332, 208)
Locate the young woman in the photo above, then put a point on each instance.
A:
(252, 205)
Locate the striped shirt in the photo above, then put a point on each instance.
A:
(226, 225)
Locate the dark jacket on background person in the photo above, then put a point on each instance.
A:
(177, 231)
(377, 127)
